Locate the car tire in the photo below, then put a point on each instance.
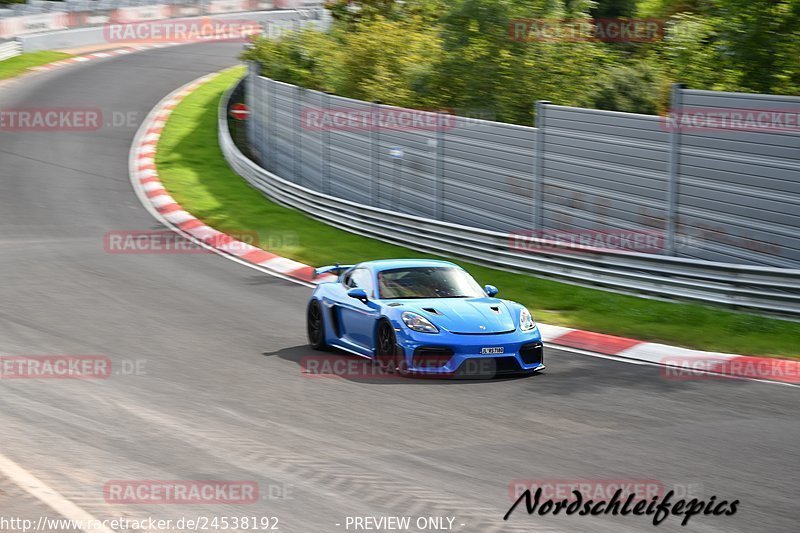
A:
(386, 351)
(315, 326)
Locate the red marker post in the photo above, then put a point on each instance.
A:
(240, 111)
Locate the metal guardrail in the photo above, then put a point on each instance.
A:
(9, 49)
(764, 288)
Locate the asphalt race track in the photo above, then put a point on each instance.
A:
(220, 393)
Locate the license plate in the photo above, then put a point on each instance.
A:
(489, 351)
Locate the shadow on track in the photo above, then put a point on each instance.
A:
(341, 365)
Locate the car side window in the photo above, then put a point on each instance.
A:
(346, 279)
(362, 279)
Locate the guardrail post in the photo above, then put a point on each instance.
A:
(673, 169)
(538, 166)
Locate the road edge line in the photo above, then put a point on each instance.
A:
(49, 496)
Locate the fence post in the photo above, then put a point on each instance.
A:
(538, 166)
(251, 101)
(673, 165)
(297, 135)
(438, 183)
(272, 125)
(375, 160)
(266, 141)
(266, 129)
(325, 135)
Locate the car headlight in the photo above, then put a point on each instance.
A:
(418, 323)
(526, 321)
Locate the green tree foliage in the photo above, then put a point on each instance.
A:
(736, 45)
(389, 61)
(474, 55)
(632, 87)
(613, 8)
(668, 8)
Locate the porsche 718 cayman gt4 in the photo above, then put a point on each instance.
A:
(422, 317)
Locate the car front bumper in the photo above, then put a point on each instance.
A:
(458, 355)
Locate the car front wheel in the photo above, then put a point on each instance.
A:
(315, 325)
(386, 350)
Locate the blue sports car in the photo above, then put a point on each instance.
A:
(422, 317)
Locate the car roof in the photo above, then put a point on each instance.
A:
(390, 264)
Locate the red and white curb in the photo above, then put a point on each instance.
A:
(677, 363)
(105, 54)
(680, 363)
(153, 195)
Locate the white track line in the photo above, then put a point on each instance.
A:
(41, 491)
(623, 359)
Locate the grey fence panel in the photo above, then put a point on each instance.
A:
(738, 101)
(311, 141)
(407, 157)
(603, 171)
(283, 151)
(486, 173)
(351, 152)
(739, 192)
(729, 196)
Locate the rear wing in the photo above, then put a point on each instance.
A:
(336, 270)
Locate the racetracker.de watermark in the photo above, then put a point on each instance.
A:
(51, 119)
(599, 489)
(67, 119)
(703, 119)
(566, 241)
(435, 365)
(68, 367)
(55, 367)
(333, 366)
(694, 368)
(181, 31)
(169, 242)
(344, 119)
(182, 491)
(583, 30)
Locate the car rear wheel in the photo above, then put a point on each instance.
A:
(386, 351)
(315, 326)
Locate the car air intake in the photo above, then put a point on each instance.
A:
(532, 353)
(488, 367)
(431, 357)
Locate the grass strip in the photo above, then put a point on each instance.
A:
(22, 63)
(195, 173)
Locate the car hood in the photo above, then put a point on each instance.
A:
(464, 315)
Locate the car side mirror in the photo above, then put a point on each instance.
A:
(358, 294)
(490, 290)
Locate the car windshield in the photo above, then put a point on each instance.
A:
(427, 282)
